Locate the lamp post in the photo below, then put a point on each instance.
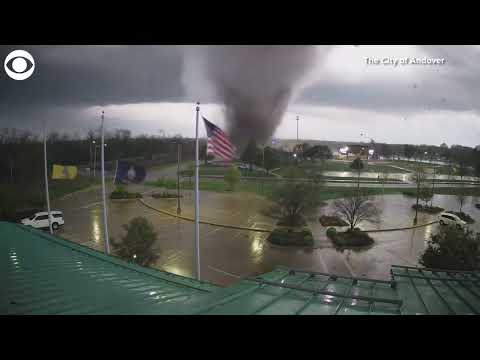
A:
(179, 147)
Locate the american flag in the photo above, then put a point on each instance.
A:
(218, 142)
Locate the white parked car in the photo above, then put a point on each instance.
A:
(447, 218)
(40, 220)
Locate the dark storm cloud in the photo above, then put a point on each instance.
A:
(386, 97)
(83, 76)
(447, 87)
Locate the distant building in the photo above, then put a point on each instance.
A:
(354, 151)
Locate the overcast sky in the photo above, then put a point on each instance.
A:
(151, 88)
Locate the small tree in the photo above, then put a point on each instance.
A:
(136, 245)
(357, 165)
(418, 177)
(232, 177)
(294, 200)
(452, 249)
(356, 209)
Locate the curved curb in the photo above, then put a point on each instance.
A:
(202, 222)
(400, 229)
(88, 188)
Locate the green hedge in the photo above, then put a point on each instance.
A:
(165, 195)
(428, 209)
(115, 195)
(327, 220)
(286, 236)
(331, 232)
(350, 238)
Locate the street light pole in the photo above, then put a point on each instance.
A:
(104, 197)
(90, 160)
(94, 157)
(179, 210)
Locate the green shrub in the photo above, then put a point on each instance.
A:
(165, 195)
(331, 232)
(352, 239)
(452, 249)
(428, 209)
(409, 193)
(326, 220)
(288, 236)
(137, 245)
(115, 195)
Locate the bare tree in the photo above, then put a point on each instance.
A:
(357, 209)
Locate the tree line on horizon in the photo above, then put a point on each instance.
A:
(22, 152)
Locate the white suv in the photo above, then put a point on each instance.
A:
(40, 220)
(447, 218)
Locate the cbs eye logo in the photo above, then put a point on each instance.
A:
(19, 65)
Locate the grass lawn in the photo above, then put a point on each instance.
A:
(327, 192)
(219, 170)
(15, 197)
(330, 192)
(439, 169)
(331, 165)
(212, 185)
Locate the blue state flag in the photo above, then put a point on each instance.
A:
(128, 172)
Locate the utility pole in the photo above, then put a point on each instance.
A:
(94, 157)
(179, 146)
(104, 197)
(90, 159)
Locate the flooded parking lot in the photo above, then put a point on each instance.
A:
(229, 254)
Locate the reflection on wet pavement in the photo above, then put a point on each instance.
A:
(229, 254)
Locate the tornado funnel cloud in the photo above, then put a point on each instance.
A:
(256, 84)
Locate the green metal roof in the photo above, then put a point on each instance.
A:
(42, 274)
(286, 291)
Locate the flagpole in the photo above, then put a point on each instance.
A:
(115, 177)
(197, 204)
(47, 195)
(105, 222)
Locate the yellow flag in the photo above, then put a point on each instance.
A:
(64, 172)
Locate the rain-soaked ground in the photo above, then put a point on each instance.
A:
(228, 254)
